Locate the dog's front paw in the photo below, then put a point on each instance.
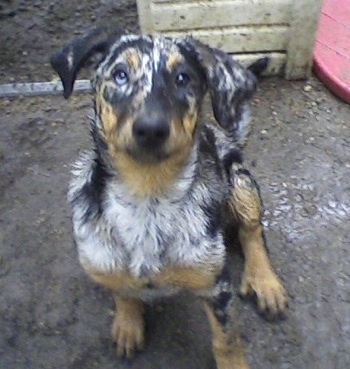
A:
(128, 333)
(271, 295)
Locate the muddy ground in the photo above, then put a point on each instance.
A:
(52, 316)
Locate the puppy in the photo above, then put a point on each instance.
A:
(154, 197)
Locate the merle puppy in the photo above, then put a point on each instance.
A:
(152, 199)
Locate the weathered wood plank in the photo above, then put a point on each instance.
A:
(210, 14)
(168, 1)
(145, 16)
(41, 88)
(242, 39)
(305, 15)
(241, 26)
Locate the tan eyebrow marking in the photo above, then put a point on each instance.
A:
(133, 59)
(173, 61)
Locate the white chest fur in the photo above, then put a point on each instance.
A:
(144, 237)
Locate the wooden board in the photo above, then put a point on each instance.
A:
(305, 15)
(215, 14)
(41, 88)
(241, 26)
(242, 39)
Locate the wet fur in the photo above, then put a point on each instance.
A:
(149, 219)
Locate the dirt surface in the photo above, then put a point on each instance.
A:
(52, 316)
(32, 30)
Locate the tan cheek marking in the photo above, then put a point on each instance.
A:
(117, 141)
(109, 120)
(182, 134)
(190, 123)
(106, 113)
(179, 142)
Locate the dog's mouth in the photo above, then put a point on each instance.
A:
(148, 156)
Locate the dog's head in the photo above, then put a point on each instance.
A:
(149, 90)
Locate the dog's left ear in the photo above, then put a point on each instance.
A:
(230, 84)
(68, 61)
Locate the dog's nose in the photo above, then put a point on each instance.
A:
(150, 132)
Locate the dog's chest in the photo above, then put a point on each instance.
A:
(145, 237)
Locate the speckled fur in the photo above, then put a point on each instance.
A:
(148, 216)
(145, 235)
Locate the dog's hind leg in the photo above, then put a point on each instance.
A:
(227, 346)
(258, 276)
(128, 326)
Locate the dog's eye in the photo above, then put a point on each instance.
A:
(121, 77)
(182, 80)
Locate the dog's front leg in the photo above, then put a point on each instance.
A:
(128, 327)
(227, 346)
(258, 276)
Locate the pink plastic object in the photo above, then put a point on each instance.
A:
(332, 48)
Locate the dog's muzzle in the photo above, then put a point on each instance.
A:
(150, 136)
(149, 132)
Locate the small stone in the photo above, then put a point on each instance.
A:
(310, 210)
(307, 88)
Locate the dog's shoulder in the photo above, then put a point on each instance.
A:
(87, 186)
(218, 150)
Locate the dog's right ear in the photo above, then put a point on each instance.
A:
(72, 57)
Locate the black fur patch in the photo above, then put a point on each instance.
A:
(234, 156)
(213, 212)
(91, 193)
(141, 44)
(207, 148)
(223, 296)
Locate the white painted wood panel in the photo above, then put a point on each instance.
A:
(145, 16)
(242, 39)
(305, 15)
(216, 14)
(284, 29)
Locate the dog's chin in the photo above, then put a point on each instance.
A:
(149, 156)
